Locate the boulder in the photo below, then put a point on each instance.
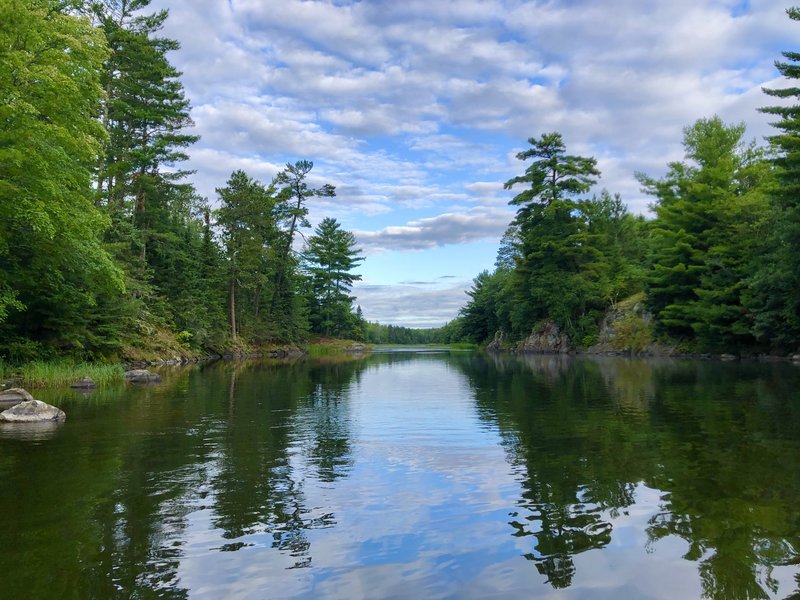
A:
(12, 396)
(32, 411)
(142, 376)
(84, 384)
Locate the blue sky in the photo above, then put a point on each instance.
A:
(415, 110)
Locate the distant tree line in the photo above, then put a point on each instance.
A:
(105, 245)
(718, 266)
(376, 333)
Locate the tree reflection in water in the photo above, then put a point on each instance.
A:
(718, 440)
(275, 432)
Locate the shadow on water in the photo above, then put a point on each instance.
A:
(719, 442)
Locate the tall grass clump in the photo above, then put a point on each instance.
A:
(55, 374)
(320, 350)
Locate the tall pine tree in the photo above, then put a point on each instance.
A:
(776, 273)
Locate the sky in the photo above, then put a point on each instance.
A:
(415, 110)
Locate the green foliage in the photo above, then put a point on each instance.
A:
(247, 220)
(39, 374)
(632, 330)
(563, 259)
(329, 257)
(709, 211)
(293, 195)
(484, 313)
(53, 266)
(553, 175)
(450, 334)
(775, 268)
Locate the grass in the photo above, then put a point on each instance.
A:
(40, 374)
(462, 346)
(332, 347)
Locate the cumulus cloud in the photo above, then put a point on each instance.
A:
(412, 304)
(416, 108)
(431, 232)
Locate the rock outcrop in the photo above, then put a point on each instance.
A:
(546, 338)
(32, 411)
(498, 344)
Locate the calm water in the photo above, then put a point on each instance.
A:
(413, 475)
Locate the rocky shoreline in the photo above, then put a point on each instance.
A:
(548, 339)
(285, 352)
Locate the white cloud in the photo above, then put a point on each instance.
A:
(412, 304)
(415, 108)
(431, 232)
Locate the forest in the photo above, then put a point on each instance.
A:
(107, 251)
(716, 269)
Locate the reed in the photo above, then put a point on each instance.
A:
(41, 374)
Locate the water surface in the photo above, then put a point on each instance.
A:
(410, 475)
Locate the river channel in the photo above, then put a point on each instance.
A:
(413, 474)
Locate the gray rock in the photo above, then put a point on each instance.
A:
(84, 384)
(498, 344)
(545, 339)
(32, 411)
(12, 396)
(796, 357)
(142, 376)
(728, 357)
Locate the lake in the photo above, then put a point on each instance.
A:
(413, 474)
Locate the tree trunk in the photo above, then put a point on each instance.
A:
(232, 307)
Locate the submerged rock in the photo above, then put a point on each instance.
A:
(142, 376)
(34, 431)
(84, 384)
(32, 411)
(12, 396)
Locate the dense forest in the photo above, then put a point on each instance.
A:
(106, 248)
(717, 269)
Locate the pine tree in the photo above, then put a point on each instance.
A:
(330, 256)
(706, 215)
(247, 219)
(549, 281)
(776, 274)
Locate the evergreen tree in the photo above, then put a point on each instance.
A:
(774, 285)
(552, 278)
(330, 255)
(247, 220)
(483, 315)
(706, 212)
(292, 210)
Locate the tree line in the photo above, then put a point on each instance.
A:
(717, 267)
(105, 245)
